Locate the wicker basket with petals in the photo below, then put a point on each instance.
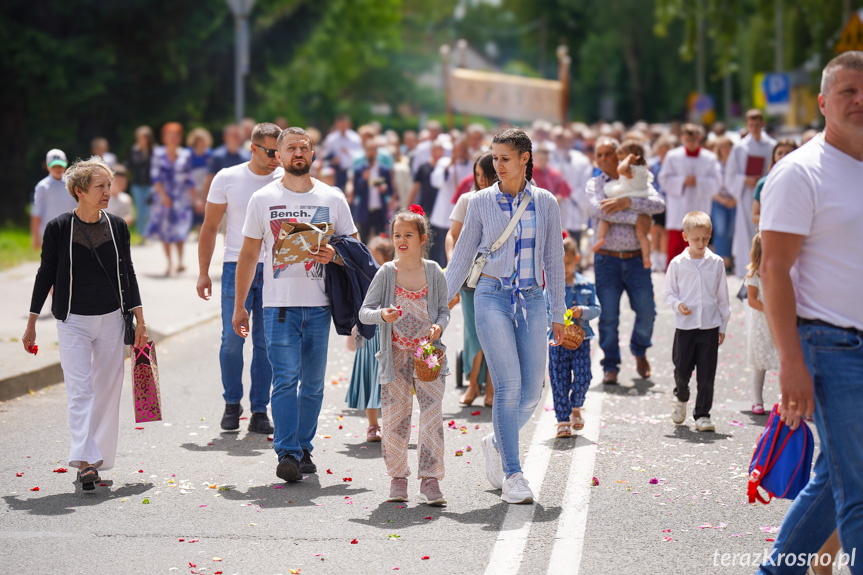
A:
(424, 372)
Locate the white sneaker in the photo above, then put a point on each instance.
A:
(678, 411)
(704, 424)
(493, 462)
(516, 490)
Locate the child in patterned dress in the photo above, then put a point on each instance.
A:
(570, 368)
(763, 356)
(408, 301)
(364, 392)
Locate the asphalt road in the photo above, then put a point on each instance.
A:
(187, 498)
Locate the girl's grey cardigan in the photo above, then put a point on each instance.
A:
(382, 294)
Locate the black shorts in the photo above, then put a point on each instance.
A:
(659, 219)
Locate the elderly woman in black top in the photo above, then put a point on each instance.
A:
(87, 260)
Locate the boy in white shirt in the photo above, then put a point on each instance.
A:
(696, 288)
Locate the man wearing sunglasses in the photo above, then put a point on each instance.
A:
(229, 195)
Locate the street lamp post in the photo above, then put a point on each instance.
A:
(240, 9)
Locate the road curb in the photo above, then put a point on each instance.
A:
(32, 381)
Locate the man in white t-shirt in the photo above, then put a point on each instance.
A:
(340, 146)
(296, 306)
(229, 195)
(811, 214)
(447, 175)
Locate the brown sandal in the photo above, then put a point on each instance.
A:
(563, 430)
(373, 434)
(577, 421)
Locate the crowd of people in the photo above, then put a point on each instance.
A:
(505, 221)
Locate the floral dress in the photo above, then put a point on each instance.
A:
(762, 350)
(171, 224)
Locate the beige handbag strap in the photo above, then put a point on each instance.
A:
(511, 225)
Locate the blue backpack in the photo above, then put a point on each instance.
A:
(782, 460)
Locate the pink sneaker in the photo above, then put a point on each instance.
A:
(398, 489)
(757, 409)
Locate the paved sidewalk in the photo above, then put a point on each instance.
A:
(171, 306)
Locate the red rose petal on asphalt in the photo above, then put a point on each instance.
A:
(139, 428)
(181, 539)
(347, 479)
(354, 542)
(61, 470)
(475, 413)
(329, 472)
(140, 471)
(19, 475)
(35, 489)
(243, 418)
(192, 565)
(426, 557)
(769, 539)
(103, 485)
(426, 518)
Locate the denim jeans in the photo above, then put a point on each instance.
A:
(613, 277)
(834, 497)
(723, 229)
(141, 197)
(231, 352)
(515, 351)
(297, 348)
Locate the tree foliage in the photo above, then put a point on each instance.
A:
(76, 69)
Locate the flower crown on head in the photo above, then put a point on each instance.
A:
(417, 209)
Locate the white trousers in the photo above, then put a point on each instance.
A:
(91, 355)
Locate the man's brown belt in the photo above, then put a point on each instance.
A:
(621, 255)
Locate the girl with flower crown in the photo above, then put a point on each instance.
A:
(407, 299)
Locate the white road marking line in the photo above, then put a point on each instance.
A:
(508, 550)
(572, 523)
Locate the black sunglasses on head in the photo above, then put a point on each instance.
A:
(270, 153)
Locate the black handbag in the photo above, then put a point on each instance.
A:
(128, 316)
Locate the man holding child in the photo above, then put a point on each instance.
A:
(619, 265)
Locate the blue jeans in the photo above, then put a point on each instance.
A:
(723, 229)
(834, 497)
(141, 197)
(231, 352)
(515, 351)
(297, 348)
(613, 277)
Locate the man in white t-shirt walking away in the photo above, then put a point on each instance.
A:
(811, 215)
(229, 195)
(296, 306)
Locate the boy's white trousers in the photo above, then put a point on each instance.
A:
(91, 355)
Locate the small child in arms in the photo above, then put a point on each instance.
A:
(635, 181)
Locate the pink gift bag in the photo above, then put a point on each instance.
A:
(145, 380)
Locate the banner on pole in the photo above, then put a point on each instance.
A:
(505, 96)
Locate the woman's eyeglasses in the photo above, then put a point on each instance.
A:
(270, 153)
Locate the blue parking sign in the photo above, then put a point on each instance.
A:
(777, 92)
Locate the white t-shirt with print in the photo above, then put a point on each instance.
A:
(234, 186)
(815, 192)
(298, 284)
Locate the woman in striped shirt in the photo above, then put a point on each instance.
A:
(513, 322)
